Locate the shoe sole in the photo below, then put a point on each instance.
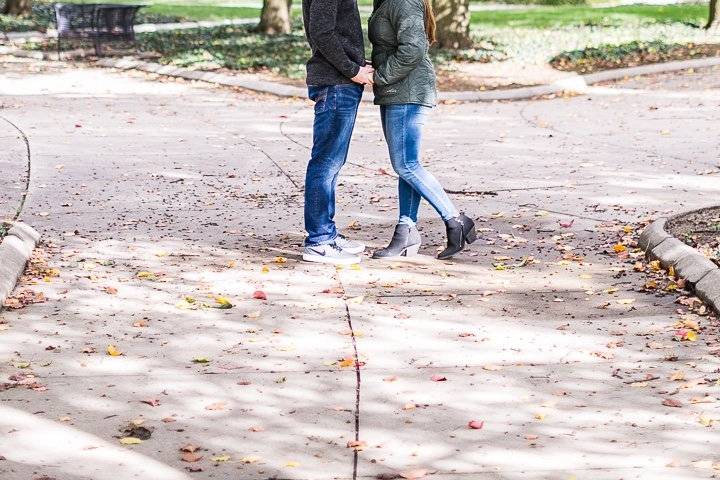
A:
(330, 260)
(354, 251)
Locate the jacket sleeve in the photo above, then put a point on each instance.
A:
(321, 32)
(408, 22)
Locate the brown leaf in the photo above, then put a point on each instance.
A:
(216, 406)
(191, 457)
(413, 474)
(671, 402)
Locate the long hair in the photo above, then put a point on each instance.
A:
(430, 26)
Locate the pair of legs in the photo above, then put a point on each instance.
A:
(336, 109)
(402, 125)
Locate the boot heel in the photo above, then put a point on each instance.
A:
(412, 250)
(471, 236)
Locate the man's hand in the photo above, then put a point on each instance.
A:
(364, 76)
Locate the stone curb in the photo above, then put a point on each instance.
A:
(573, 83)
(15, 250)
(701, 274)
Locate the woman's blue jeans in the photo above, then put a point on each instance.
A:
(402, 125)
(336, 108)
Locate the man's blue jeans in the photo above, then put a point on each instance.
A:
(336, 108)
(402, 125)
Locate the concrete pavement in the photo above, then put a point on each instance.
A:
(148, 193)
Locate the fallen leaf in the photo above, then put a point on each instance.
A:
(438, 378)
(413, 474)
(671, 402)
(113, 351)
(476, 425)
(216, 406)
(190, 457)
(259, 295)
(130, 441)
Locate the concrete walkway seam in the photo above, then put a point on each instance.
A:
(701, 274)
(574, 83)
(15, 251)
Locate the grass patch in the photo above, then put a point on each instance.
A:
(630, 54)
(567, 16)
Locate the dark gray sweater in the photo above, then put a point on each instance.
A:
(335, 35)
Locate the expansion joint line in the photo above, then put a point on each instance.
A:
(357, 377)
(24, 194)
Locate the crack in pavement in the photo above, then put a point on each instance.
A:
(24, 194)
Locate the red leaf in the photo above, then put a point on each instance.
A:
(475, 425)
(567, 224)
(438, 378)
(669, 402)
(259, 295)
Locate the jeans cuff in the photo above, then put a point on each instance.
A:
(406, 221)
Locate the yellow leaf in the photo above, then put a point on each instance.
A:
(355, 266)
(280, 260)
(146, 275)
(220, 458)
(292, 464)
(250, 459)
(130, 441)
(671, 271)
(706, 421)
(201, 360)
(611, 290)
(655, 265)
(539, 416)
(628, 229)
(691, 336)
(223, 302)
(113, 351)
(265, 269)
(346, 362)
(619, 248)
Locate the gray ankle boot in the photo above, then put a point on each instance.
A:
(405, 242)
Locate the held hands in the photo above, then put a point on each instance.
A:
(365, 75)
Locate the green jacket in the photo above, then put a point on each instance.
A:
(404, 72)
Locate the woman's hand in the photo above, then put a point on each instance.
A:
(365, 76)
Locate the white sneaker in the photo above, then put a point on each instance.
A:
(350, 246)
(329, 253)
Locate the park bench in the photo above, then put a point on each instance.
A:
(96, 22)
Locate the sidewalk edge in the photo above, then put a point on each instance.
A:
(15, 250)
(575, 83)
(701, 274)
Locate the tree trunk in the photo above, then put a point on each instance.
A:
(20, 8)
(275, 17)
(714, 16)
(453, 23)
